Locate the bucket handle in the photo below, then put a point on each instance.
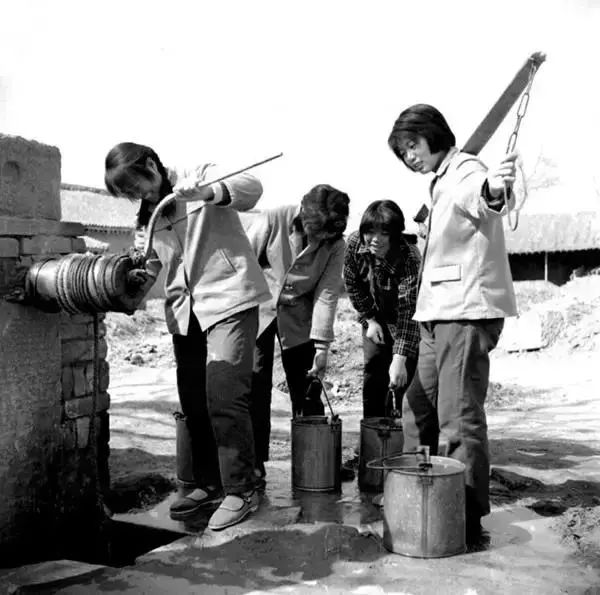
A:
(390, 404)
(334, 416)
(424, 465)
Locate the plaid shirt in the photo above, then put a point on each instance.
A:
(385, 289)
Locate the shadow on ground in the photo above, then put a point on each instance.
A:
(555, 461)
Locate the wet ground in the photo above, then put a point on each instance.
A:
(543, 535)
(546, 474)
(317, 543)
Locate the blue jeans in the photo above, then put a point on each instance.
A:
(447, 396)
(214, 372)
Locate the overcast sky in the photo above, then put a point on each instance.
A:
(322, 81)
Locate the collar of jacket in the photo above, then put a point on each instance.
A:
(443, 168)
(296, 224)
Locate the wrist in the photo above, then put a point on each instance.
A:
(399, 357)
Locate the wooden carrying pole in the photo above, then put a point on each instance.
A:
(496, 115)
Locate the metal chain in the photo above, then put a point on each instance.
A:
(512, 142)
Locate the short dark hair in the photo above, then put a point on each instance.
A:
(127, 162)
(383, 216)
(327, 207)
(421, 120)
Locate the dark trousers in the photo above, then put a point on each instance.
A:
(214, 371)
(296, 362)
(447, 396)
(376, 378)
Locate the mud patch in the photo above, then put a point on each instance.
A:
(579, 528)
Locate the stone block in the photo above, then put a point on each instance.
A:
(83, 381)
(78, 245)
(47, 576)
(17, 227)
(67, 381)
(104, 380)
(70, 330)
(81, 407)
(9, 248)
(46, 245)
(69, 434)
(103, 402)
(77, 351)
(83, 431)
(30, 396)
(29, 179)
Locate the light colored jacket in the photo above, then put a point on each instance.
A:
(210, 265)
(305, 282)
(466, 274)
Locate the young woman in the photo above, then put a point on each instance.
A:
(302, 250)
(213, 287)
(464, 295)
(380, 272)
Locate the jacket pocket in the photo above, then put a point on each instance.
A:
(451, 272)
(227, 260)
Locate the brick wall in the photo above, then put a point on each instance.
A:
(53, 409)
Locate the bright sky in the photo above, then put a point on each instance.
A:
(322, 81)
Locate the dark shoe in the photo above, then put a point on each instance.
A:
(191, 503)
(234, 509)
(476, 537)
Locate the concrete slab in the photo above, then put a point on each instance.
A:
(45, 575)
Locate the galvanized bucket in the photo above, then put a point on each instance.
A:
(424, 505)
(317, 452)
(380, 437)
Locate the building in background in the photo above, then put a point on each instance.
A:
(554, 246)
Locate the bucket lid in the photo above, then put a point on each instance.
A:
(315, 420)
(413, 465)
(379, 423)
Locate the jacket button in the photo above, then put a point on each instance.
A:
(169, 228)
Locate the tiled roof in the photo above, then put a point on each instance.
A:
(95, 208)
(554, 232)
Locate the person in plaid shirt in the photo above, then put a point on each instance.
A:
(381, 271)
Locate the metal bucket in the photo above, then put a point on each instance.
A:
(424, 505)
(316, 453)
(183, 452)
(380, 437)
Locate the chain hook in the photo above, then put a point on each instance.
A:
(536, 60)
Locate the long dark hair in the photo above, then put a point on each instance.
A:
(124, 165)
(421, 120)
(383, 216)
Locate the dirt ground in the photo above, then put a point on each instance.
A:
(543, 411)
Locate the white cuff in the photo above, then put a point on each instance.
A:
(218, 193)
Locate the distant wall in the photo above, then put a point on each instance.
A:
(531, 267)
(54, 378)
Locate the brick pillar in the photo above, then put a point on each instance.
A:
(53, 425)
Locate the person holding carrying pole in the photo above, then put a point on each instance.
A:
(465, 293)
